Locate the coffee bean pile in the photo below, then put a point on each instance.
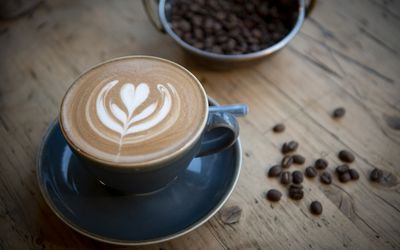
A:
(232, 26)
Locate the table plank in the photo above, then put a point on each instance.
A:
(345, 55)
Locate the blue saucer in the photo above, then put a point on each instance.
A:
(94, 210)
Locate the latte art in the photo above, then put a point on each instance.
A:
(133, 111)
(127, 120)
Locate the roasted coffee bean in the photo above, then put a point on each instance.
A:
(198, 45)
(275, 171)
(261, 23)
(279, 128)
(231, 44)
(316, 208)
(198, 34)
(185, 25)
(345, 177)
(286, 178)
(296, 192)
(216, 49)
(197, 20)
(254, 48)
(220, 15)
(321, 164)
(325, 178)
(297, 177)
(298, 159)
(346, 156)
(354, 174)
(287, 161)
(289, 147)
(338, 112)
(310, 172)
(208, 24)
(342, 169)
(274, 195)
(376, 175)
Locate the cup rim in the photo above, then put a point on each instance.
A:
(149, 164)
(240, 57)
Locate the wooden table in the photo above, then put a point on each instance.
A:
(347, 54)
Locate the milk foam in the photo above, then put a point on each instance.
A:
(125, 120)
(134, 110)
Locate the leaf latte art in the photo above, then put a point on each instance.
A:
(132, 111)
(133, 115)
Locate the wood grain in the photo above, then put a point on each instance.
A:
(347, 54)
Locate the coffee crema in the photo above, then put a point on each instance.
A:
(134, 110)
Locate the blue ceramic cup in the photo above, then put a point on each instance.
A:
(219, 131)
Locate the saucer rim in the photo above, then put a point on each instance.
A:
(91, 235)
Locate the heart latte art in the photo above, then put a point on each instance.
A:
(133, 110)
(134, 116)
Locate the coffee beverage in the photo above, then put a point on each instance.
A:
(134, 110)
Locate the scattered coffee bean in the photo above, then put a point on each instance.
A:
(279, 128)
(296, 192)
(338, 112)
(354, 174)
(298, 159)
(286, 178)
(346, 156)
(376, 175)
(325, 178)
(345, 177)
(274, 171)
(297, 177)
(288, 147)
(287, 161)
(274, 195)
(321, 164)
(316, 208)
(342, 169)
(311, 172)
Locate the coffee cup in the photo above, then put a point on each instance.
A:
(136, 122)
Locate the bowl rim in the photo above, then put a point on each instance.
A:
(222, 57)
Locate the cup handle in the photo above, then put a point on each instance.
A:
(221, 132)
(309, 7)
(151, 8)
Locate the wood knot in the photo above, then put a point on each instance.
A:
(231, 215)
